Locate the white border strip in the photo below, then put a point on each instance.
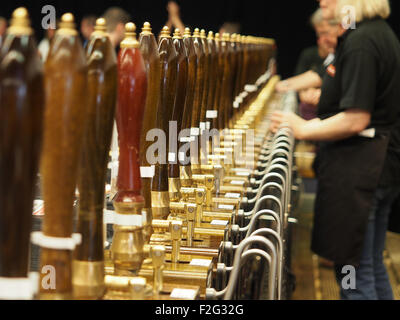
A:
(19, 288)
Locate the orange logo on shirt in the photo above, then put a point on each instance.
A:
(331, 70)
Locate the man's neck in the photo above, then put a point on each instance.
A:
(323, 53)
(341, 31)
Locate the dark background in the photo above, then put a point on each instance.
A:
(287, 21)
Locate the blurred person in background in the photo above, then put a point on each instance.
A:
(3, 29)
(174, 17)
(230, 27)
(175, 21)
(87, 27)
(44, 44)
(311, 66)
(116, 18)
(358, 162)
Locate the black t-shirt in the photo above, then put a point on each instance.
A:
(366, 75)
(309, 60)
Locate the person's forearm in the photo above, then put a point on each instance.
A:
(338, 127)
(309, 79)
(169, 24)
(177, 23)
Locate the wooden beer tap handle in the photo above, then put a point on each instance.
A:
(22, 109)
(168, 61)
(65, 121)
(88, 266)
(151, 58)
(177, 115)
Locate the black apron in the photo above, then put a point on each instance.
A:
(348, 174)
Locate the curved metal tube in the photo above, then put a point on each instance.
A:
(270, 175)
(284, 130)
(287, 180)
(234, 276)
(282, 139)
(266, 256)
(282, 147)
(269, 169)
(267, 231)
(267, 185)
(271, 163)
(273, 198)
(250, 228)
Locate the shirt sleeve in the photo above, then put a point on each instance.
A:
(303, 63)
(359, 80)
(320, 70)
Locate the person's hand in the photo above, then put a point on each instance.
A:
(289, 119)
(173, 9)
(310, 96)
(282, 86)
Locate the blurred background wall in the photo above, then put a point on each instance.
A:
(285, 20)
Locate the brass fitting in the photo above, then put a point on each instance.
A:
(138, 288)
(175, 228)
(128, 240)
(127, 249)
(133, 288)
(147, 230)
(177, 208)
(130, 40)
(191, 216)
(174, 186)
(200, 198)
(162, 226)
(196, 168)
(88, 279)
(146, 28)
(210, 186)
(160, 204)
(158, 259)
(186, 176)
(20, 23)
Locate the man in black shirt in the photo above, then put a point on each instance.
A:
(312, 58)
(310, 66)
